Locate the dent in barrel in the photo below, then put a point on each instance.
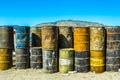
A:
(65, 37)
(36, 38)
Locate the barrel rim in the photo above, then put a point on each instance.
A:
(66, 49)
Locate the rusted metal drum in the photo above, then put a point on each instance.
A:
(50, 60)
(6, 37)
(97, 64)
(81, 47)
(81, 38)
(97, 38)
(5, 59)
(49, 37)
(66, 60)
(36, 58)
(22, 58)
(65, 37)
(35, 40)
(113, 48)
(82, 61)
(97, 49)
(22, 36)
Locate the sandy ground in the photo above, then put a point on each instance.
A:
(30, 74)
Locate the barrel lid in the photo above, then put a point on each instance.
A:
(67, 49)
(35, 47)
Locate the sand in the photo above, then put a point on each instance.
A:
(31, 74)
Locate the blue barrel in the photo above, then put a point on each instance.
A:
(22, 36)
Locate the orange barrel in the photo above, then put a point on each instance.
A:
(49, 37)
(113, 48)
(97, 49)
(35, 37)
(65, 37)
(66, 60)
(5, 59)
(81, 47)
(81, 38)
(6, 37)
(22, 58)
(36, 58)
(50, 60)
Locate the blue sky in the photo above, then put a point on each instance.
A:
(31, 12)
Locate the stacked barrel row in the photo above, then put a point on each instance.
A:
(81, 47)
(113, 48)
(22, 46)
(6, 47)
(66, 52)
(97, 49)
(50, 48)
(35, 48)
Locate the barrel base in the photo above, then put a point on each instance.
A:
(112, 68)
(83, 69)
(50, 69)
(97, 69)
(36, 65)
(4, 65)
(65, 68)
(21, 65)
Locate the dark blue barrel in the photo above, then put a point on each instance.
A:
(22, 36)
(6, 37)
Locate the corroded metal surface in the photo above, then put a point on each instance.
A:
(5, 59)
(66, 60)
(22, 58)
(50, 60)
(81, 38)
(65, 37)
(82, 54)
(97, 38)
(22, 36)
(113, 48)
(6, 37)
(84, 68)
(97, 69)
(50, 37)
(36, 58)
(111, 67)
(35, 33)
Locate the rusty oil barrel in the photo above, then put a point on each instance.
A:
(97, 49)
(65, 37)
(81, 47)
(22, 36)
(36, 58)
(5, 59)
(6, 37)
(35, 37)
(50, 60)
(22, 58)
(113, 48)
(66, 56)
(49, 37)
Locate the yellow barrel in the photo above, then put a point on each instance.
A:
(97, 64)
(66, 60)
(5, 59)
(81, 38)
(97, 53)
